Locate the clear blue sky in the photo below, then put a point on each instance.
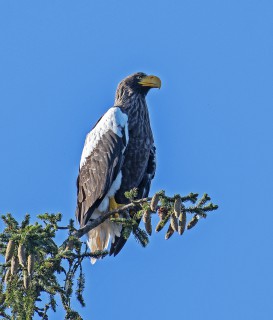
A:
(60, 62)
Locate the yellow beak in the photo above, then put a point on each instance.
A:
(151, 81)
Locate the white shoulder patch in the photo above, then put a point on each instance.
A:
(114, 119)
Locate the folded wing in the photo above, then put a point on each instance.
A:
(101, 163)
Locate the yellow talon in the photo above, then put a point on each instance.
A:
(113, 205)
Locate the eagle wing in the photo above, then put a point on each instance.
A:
(101, 162)
(143, 192)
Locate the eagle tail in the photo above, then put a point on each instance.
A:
(98, 238)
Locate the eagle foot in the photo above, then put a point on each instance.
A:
(113, 205)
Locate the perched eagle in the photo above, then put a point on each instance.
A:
(118, 155)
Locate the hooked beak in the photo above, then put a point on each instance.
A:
(151, 81)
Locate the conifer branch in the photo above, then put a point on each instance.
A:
(35, 264)
(96, 222)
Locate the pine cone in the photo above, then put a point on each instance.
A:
(164, 217)
(154, 202)
(14, 265)
(26, 280)
(30, 264)
(174, 222)
(182, 222)
(7, 275)
(158, 227)
(162, 212)
(177, 207)
(22, 255)
(9, 250)
(147, 221)
(169, 232)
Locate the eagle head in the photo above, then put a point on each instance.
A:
(138, 83)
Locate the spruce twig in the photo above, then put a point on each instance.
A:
(34, 259)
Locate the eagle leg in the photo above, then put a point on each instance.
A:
(113, 205)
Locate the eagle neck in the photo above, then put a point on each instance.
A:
(134, 106)
(138, 118)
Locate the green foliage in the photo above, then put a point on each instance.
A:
(37, 270)
(132, 194)
(54, 270)
(141, 236)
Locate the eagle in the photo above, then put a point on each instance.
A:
(118, 155)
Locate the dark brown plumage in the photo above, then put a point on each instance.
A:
(119, 154)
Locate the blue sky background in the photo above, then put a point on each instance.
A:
(60, 63)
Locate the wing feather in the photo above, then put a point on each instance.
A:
(143, 192)
(101, 162)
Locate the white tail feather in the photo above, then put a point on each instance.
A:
(98, 238)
